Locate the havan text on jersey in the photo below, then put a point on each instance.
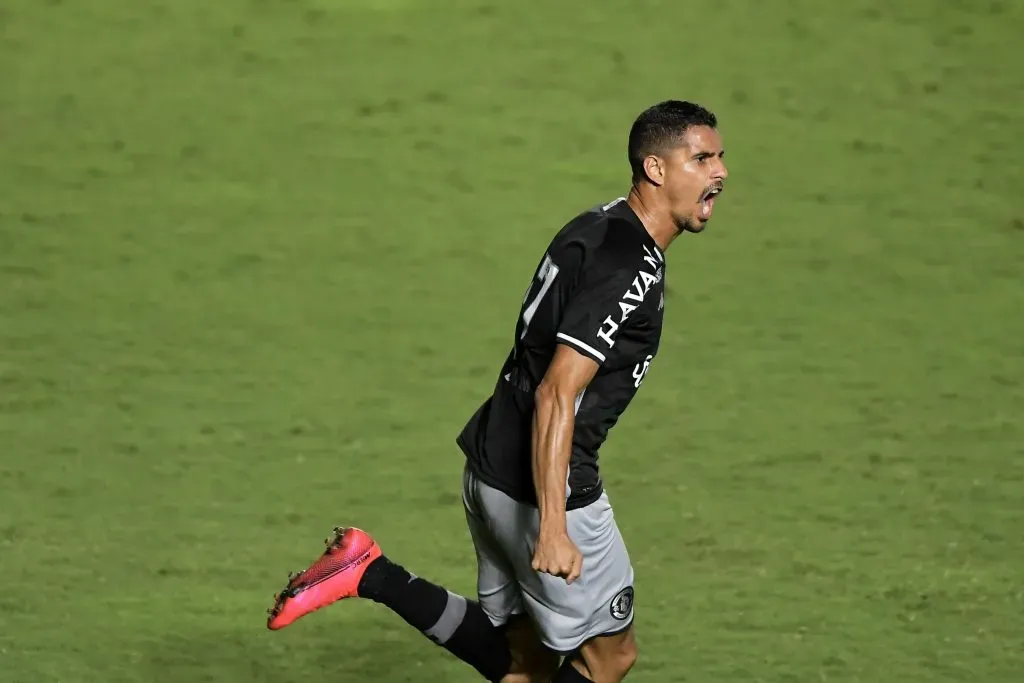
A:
(632, 298)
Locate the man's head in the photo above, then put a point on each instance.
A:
(676, 152)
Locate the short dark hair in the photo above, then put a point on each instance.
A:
(660, 126)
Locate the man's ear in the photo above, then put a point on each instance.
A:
(654, 169)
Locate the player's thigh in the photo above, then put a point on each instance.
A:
(497, 586)
(599, 603)
(607, 659)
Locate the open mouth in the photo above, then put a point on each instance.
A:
(707, 200)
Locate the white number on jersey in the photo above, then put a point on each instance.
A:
(640, 371)
(546, 275)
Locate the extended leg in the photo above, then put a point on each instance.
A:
(354, 566)
(455, 623)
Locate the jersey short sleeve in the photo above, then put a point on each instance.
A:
(598, 306)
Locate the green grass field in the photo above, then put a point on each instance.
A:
(260, 259)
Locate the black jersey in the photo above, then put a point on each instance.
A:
(599, 288)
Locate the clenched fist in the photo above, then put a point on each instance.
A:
(557, 555)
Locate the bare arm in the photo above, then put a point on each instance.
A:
(553, 422)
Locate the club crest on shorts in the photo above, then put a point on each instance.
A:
(622, 604)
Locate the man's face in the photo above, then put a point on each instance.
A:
(693, 174)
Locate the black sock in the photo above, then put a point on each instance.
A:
(453, 622)
(567, 673)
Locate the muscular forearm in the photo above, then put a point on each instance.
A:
(552, 446)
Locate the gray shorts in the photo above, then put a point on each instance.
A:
(504, 531)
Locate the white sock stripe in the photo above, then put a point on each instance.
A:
(454, 612)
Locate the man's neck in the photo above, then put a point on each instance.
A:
(657, 221)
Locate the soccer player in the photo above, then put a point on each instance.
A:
(554, 582)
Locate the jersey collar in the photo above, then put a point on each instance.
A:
(621, 209)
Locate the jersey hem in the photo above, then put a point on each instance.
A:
(570, 504)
